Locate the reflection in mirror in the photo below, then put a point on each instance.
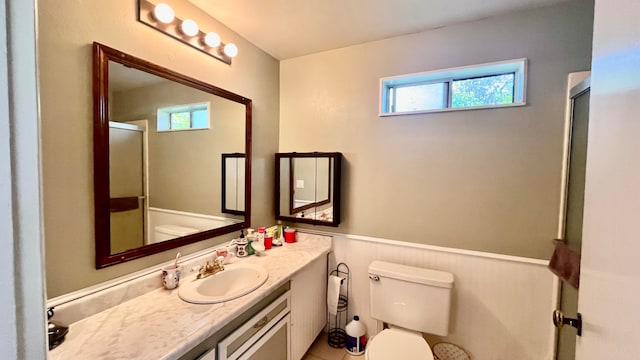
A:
(158, 141)
(308, 187)
(233, 183)
(310, 184)
(127, 185)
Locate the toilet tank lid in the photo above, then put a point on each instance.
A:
(411, 273)
(175, 230)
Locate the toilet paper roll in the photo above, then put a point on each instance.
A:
(333, 293)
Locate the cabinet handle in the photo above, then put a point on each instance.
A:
(262, 322)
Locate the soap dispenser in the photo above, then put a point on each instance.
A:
(251, 237)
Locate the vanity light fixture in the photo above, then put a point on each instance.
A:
(231, 50)
(162, 17)
(212, 39)
(163, 13)
(189, 27)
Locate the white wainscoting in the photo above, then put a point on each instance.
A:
(501, 304)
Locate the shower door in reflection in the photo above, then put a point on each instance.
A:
(127, 185)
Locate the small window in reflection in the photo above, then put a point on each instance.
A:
(183, 117)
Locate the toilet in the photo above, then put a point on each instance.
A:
(168, 232)
(411, 301)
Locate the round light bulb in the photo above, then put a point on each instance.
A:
(163, 13)
(231, 50)
(212, 39)
(189, 27)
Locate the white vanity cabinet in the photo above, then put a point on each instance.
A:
(191, 331)
(289, 336)
(308, 306)
(254, 332)
(282, 326)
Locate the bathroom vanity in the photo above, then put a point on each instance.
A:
(285, 314)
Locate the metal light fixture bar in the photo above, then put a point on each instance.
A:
(173, 29)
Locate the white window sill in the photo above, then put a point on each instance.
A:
(452, 109)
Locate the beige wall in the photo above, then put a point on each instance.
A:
(66, 30)
(485, 180)
(304, 169)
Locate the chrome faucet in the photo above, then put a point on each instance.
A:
(210, 269)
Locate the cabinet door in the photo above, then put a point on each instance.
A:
(241, 339)
(273, 345)
(308, 306)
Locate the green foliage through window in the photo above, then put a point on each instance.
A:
(181, 120)
(483, 91)
(183, 117)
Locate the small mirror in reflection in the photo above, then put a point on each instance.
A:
(233, 169)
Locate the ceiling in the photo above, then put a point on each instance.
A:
(291, 28)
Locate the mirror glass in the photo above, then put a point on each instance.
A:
(160, 140)
(233, 183)
(308, 187)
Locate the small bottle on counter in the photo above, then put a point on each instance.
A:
(251, 237)
(250, 249)
(261, 235)
(241, 250)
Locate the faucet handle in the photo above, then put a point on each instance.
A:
(217, 264)
(204, 270)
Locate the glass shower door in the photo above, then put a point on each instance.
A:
(126, 186)
(566, 345)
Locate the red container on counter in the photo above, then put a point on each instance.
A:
(289, 235)
(268, 241)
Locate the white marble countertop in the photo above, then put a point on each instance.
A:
(159, 325)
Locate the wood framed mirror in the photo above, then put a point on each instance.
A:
(158, 140)
(308, 187)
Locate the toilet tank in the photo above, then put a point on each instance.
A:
(410, 297)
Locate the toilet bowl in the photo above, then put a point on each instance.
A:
(398, 344)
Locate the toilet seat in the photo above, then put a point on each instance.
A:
(398, 344)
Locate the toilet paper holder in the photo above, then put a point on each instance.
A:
(336, 323)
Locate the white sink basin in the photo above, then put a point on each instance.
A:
(234, 281)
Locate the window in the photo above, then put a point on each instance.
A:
(184, 117)
(471, 87)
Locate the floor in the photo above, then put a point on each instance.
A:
(320, 350)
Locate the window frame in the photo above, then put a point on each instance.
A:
(190, 108)
(447, 76)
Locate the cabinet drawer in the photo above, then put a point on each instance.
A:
(231, 347)
(209, 355)
(274, 345)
